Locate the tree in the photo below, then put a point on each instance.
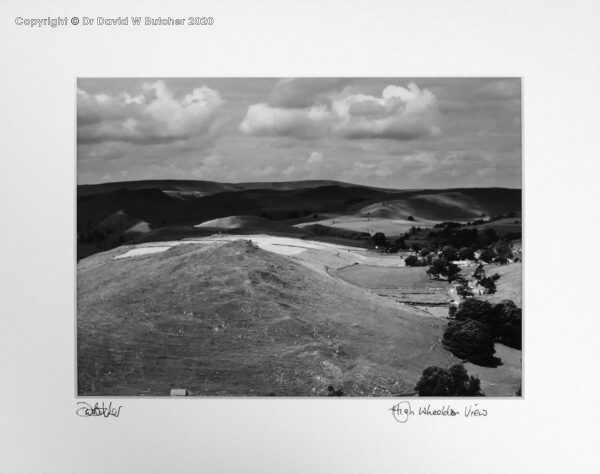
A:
(474, 309)
(471, 340)
(410, 218)
(401, 243)
(489, 283)
(464, 291)
(440, 267)
(466, 253)
(452, 382)
(437, 268)
(508, 323)
(452, 272)
(487, 256)
(479, 272)
(449, 253)
(504, 250)
(379, 239)
(412, 261)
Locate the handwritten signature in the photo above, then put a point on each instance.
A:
(85, 410)
(402, 411)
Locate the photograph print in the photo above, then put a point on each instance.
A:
(299, 237)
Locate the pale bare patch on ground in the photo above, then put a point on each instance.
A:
(141, 251)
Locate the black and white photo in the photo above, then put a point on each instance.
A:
(326, 236)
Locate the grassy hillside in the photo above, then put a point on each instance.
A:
(232, 319)
(247, 224)
(445, 205)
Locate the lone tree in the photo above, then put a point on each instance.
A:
(489, 283)
(412, 261)
(452, 382)
(379, 239)
(471, 340)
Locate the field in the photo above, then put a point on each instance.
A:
(391, 227)
(509, 286)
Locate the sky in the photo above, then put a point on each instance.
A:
(387, 132)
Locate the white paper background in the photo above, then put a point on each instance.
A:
(553, 45)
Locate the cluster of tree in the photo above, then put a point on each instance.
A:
(478, 325)
(487, 282)
(441, 267)
(469, 237)
(462, 288)
(414, 261)
(508, 215)
(452, 382)
(448, 225)
(461, 246)
(500, 253)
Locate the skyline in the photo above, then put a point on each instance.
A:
(382, 132)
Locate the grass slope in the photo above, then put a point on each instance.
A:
(233, 319)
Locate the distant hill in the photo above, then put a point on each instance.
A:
(237, 320)
(445, 205)
(203, 188)
(168, 203)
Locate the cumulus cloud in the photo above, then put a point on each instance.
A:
(298, 93)
(401, 113)
(315, 158)
(153, 116)
(262, 119)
